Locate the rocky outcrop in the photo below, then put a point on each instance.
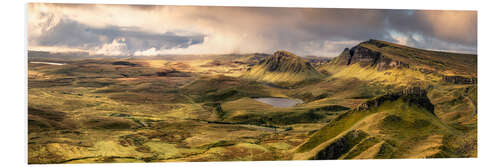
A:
(367, 57)
(413, 96)
(284, 69)
(363, 56)
(330, 108)
(283, 61)
(459, 79)
(344, 58)
(426, 71)
(386, 63)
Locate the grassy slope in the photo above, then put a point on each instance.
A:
(438, 63)
(260, 73)
(402, 126)
(447, 62)
(455, 104)
(249, 111)
(398, 77)
(455, 108)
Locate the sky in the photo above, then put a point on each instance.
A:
(148, 30)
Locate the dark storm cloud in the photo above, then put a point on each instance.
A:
(453, 26)
(291, 27)
(69, 33)
(441, 30)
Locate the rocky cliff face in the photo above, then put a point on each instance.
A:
(413, 95)
(283, 68)
(283, 61)
(459, 79)
(363, 56)
(368, 57)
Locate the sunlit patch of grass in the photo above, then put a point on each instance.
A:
(260, 73)
(331, 130)
(401, 77)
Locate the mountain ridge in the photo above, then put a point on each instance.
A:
(364, 131)
(383, 55)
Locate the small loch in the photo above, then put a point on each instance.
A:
(49, 63)
(279, 102)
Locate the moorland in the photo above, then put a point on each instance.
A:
(376, 100)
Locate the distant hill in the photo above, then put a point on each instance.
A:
(384, 61)
(283, 67)
(428, 97)
(317, 60)
(385, 55)
(44, 54)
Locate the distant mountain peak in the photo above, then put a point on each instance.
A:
(284, 53)
(383, 55)
(283, 66)
(284, 61)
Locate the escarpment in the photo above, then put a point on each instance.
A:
(459, 79)
(382, 55)
(283, 68)
(369, 130)
(367, 57)
(413, 95)
(283, 61)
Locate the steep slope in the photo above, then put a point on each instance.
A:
(391, 63)
(395, 125)
(450, 77)
(283, 68)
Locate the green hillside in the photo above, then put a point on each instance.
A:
(400, 125)
(389, 63)
(375, 100)
(283, 68)
(440, 121)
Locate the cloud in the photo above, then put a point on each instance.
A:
(54, 30)
(71, 34)
(148, 52)
(210, 30)
(116, 48)
(451, 26)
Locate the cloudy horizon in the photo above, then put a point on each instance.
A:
(145, 30)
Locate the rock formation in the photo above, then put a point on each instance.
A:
(283, 61)
(368, 57)
(413, 95)
(459, 79)
(283, 67)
